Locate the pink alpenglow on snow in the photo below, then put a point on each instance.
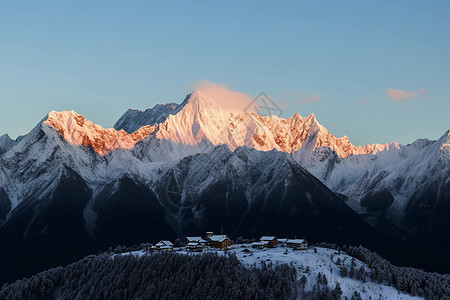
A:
(78, 131)
(203, 118)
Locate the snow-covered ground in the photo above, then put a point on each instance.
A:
(324, 261)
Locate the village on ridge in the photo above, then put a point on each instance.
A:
(223, 242)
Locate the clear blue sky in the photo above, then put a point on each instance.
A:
(336, 59)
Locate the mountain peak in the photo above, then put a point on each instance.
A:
(202, 100)
(5, 137)
(296, 115)
(133, 119)
(445, 140)
(64, 117)
(212, 97)
(6, 143)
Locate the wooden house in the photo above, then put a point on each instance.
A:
(196, 239)
(270, 240)
(164, 246)
(195, 243)
(219, 241)
(297, 244)
(195, 247)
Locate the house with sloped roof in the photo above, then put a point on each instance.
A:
(297, 244)
(164, 246)
(219, 241)
(271, 241)
(196, 239)
(194, 247)
(260, 245)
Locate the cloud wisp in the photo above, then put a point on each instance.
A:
(223, 96)
(400, 95)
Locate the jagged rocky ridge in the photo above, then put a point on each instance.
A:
(133, 119)
(200, 117)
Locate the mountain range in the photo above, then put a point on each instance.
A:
(71, 187)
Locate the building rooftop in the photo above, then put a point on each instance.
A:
(164, 243)
(296, 241)
(218, 238)
(267, 238)
(195, 239)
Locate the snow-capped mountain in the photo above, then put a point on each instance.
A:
(196, 126)
(177, 169)
(358, 174)
(75, 185)
(76, 213)
(75, 129)
(402, 184)
(390, 174)
(200, 117)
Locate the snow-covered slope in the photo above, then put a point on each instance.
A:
(310, 263)
(53, 183)
(30, 167)
(261, 189)
(386, 181)
(67, 140)
(177, 172)
(376, 170)
(399, 172)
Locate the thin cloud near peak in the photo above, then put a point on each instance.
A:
(224, 96)
(400, 95)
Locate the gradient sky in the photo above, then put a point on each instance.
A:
(376, 71)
